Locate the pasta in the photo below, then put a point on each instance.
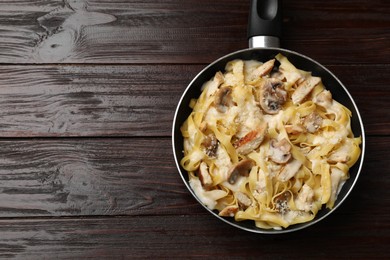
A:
(267, 142)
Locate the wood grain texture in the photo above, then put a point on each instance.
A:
(184, 31)
(90, 100)
(90, 177)
(88, 90)
(137, 100)
(186, 236)
(134, 176)
(338, 32)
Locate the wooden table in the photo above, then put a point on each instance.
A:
(88, 91)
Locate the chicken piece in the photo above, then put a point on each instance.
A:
(305, 198)
(234, 73)
(251, 141)
(263, 69)
(204, 175)
(243, 200)
(272, 95)
(324, 99)
(342, 153)
(279, 151)
(294, 129)
(339, 156)
(337, 178)
(289, 170)
(212, 86)
(229, 211)
(304, 88)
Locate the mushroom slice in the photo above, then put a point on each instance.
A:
(304, 88)
(204, 175)
(263, 69)
(272, 95)
(223, 99)
(229, 211)
(243, 200)
(279, 151)
(241, 168)
(210, 143)
(281, 202)
(251, 141)
(312, 122)
(289, 170)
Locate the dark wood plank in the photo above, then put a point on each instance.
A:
(134, 176)
(138, 100)
(90, 100)
(127, 31)
(185, 31)
(68, 177)
(338, 32)
(368, 87)
(189, 236)
(87, 97)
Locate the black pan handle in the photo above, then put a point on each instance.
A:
(265, 23)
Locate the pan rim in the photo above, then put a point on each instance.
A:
(291, 228)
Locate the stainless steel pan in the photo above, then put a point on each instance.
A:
(264, 31)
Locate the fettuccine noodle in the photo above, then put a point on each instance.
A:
(268, 143)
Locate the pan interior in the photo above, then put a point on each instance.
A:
(339, 93)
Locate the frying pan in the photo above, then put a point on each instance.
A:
(264, 31)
